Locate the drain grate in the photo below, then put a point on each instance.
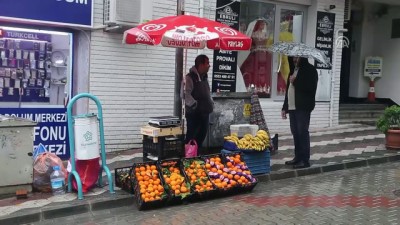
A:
(397, 192)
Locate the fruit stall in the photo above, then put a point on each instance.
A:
(169, 181)
(174, 181)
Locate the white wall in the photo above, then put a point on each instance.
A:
(389, 49)
(363, 34)
(373, 38)
(136, 82)
(356, 64)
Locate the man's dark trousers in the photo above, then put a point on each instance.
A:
(197, 126)
(299, 124)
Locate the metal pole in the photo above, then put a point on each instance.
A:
(178, 68)
(333, 73)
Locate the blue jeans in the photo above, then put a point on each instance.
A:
(197, 126)
(299, 124)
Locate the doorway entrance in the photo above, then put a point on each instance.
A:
(268, 23)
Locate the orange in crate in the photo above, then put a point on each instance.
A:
(238, 170)
(196, 173)
(175, 181)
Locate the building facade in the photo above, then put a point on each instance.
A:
(136, 82)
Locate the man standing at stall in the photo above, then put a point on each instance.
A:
(198, 101)
(299, 102)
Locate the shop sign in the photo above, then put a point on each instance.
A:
(325, 36)
(225, 62)
(51, 130)
(24, 35)
(58, 12)
(373, 67)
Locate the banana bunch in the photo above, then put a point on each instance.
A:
(263, 136)
(232, 138)
(250, 142)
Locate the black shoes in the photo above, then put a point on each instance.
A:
(301, 165)
(297, 164)
(291, 162)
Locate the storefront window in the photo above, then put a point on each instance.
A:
(34, 67)
(257, 20)
(291, 27)
(35, 82)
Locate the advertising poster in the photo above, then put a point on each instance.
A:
(52, 128)
(25, 67)
(225, 62)
(373, 67)
(325, 35)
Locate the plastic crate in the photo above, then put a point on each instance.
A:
(142, 205)
(123, 179)
(165, 147)
(198, 195)
(258, 162)
(241, 187)
(222, 191)
(175, 163)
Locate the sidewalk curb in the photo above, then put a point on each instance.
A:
(86, 206)
(328, 168)
(65, 209)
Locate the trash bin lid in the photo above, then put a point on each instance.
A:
(9, 121)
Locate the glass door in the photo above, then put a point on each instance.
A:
(257, 20)
(289, 27)
(267, 23)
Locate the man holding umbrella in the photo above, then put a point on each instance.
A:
(299, 102)
(198, 101)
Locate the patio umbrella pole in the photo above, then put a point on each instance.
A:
(183, 98)
(178, 104)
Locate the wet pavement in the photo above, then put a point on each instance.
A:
(332, 149)
(357, 196)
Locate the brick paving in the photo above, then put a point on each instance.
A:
(358, 196)
(337, 148)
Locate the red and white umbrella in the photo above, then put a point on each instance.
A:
(189, 32)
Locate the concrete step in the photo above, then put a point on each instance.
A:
(362, 106)
(348, 114)
(368, 121)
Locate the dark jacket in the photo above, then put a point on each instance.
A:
(198, 96)
(305, 86)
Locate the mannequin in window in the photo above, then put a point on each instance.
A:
(256, 67)
(285, 35)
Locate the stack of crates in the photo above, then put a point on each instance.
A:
(166, 147)
(163, 143)
(259, 162)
